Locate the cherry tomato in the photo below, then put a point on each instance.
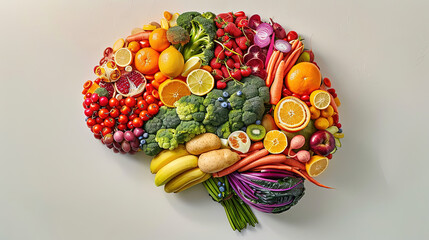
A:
(97, 136)
(132, 116)
(106, 130)
(137, 111)
(90, 122)
(122, 127)
(122, 119)
(144, 115)
(103, 113)
(115, 113)
(144, 43)
(88, 95)
(113, 102)
(109, 122)
(160, 103)
(153, 109)
(292, 35)
(305, 97)
(99, 120)
(97, 128)
(88, 112)
(122, 102)
(125, 110)
(137, 122)
(142, 104)
(94, 106)
(145, 94)
(102, 124)
(130, 102)
(150, 99)
(130, 125)
(149, 88)
(245, 71)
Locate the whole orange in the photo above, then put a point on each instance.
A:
(146, 61)
(158, 39)
(303, 78)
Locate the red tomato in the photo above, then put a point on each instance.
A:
(122, 119)
(99, 120)
(153, 109)
(137, 111)
(292, 35)
(103, 113)
(132, 116)
(144, 115)
(115, 112)
(113, 102)
(130, 125)
(137, 122)
(90, 122)
(94, 106)
(130, 102)
(96, 128)
(150, 99)
(106, 130)
(122, 127)
(109, 122)
(142, 104)
(125, 110)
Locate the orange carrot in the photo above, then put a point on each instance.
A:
(275, 67)
(243, 162)
(270, 69)
(270, 159)
(256, 146)
(294, 163)
(138, 36)
(292, 59)
(276, 87)
(207, 68)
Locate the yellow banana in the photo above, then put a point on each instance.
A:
(182, 179)
(175, 168)
(191, 184)
(165, 157)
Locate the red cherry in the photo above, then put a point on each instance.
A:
(130, 125)
(88, 95)
(97, 136)
(113, 102)
(88, 112)
(99, 120)
(130, 102)
(90, 122)
(94, 106)
(103, 101)
(94, 97)
(87, 101)
(122, 102)
(122, 127)
(137, 122)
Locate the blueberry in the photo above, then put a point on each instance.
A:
(219, 183)
(340, 130)
(258, 122)
(225, 94)
(243, 129)
(142, 141)
(220, 99)
(145, 135)
(140, 137)
(229, 105)
(224, 104)
(222, 189)
(239, 93)
(219, 195)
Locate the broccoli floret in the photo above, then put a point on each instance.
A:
(235, 120)
(171, 119)
(255, 105)
(249, 118)
(177, 35)
(209, 15)
(250, 83)
(253, 81)
(188, 106)
(212, 97)
(199, 116)
(233, 87)
(102, 92)
(166, 138)
(184, 19)
(210, 128)
(151, 147)
(264, 93)
(250, 91)
(202, 34)
(236, 101)
(216, 114)
(153, 125)
(224, 130)
(188, 130)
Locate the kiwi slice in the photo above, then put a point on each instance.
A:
(256, 132)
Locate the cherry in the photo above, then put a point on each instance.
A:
(103, 101)
(94, 97)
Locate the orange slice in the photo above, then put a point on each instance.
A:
(172, 90)
(291, 114)
(316, 165)
(275, 141)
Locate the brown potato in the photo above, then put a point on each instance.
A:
(203, 143)
(217, 160)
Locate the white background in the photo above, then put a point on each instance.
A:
(58, 182)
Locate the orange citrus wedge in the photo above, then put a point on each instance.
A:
(172, 90)
(291, 114)
(316, 165)
(275, 141)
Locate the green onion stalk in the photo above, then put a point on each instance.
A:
(238, 212)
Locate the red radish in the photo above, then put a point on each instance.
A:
(297, 142)
(303, 156)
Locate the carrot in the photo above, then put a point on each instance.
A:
(138, 36)
(256, 146)
(292, 59)
(294, 163)
(243, 162)
(207, 68)
(270, 69)
(276, 87)
(274, 158)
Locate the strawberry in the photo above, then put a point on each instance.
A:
(220, 84)
(215, 64)
(228, 44)
(242, 42)
(217, 74)
(218, 52)
(239, 19)
(230, 63)
(245, 71)
(228, 53)
(238, 50)
(232, 29)
(236, 74)
(225, 72)
(237, 65)
(237, 58)
(220, 32)
(223, 18)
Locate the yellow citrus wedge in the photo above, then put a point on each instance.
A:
(200, 82)
(320, 99)
(172, 90)
(275, 141)
(291, 114)
(316, 165)
(190, 65)
(123, 57)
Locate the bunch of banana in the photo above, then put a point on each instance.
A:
(177, 170)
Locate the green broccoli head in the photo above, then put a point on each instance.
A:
(188, 106)
(199, 116)
(255, 105)
(216, 114)
(212, 97)
(188, 130)
(233, 87)
(171, 119)
(102, 92)
(224, 130)
(264, 93)
(166, 138)
(253, 81)
(210, 128)
(209, 15)
(177, 35)
(236, 101)
(249, 118)
(250, 91)
(250, 83)
(151, 147)
(184, 19)
(153, 125)
(235, 120)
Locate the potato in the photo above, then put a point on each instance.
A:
(203, 143)
(217, 160)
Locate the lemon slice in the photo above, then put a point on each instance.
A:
(320, 99)
(200, 82)
(190, 65)
(316, 165)
(123, 57)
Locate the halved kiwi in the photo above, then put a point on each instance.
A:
(256, 132)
